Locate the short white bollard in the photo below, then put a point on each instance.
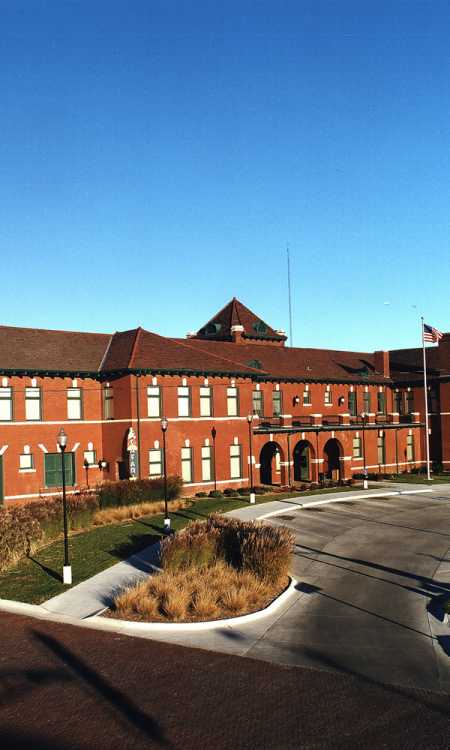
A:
(252, 497)
(167, 524)
(67, 575)
(366, 484)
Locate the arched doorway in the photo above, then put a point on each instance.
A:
(302, 456)
(332, 464)
(270, 458)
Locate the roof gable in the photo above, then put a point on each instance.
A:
(219, 327)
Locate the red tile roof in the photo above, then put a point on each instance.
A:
(37, 349)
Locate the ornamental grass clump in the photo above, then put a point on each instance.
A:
(132, 512)
(194, 547)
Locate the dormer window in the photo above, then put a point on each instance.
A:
(260, 327)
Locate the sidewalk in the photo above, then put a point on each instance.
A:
(94, 595)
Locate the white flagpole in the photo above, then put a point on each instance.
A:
(425, 389)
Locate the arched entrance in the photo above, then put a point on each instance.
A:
(332, 465)
(302, 455)
(270, 458)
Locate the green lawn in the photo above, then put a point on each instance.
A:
(421, 478)
(36, 579)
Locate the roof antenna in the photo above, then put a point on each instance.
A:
(289, 295)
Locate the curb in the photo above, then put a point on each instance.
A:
(346, 498)
(125, 626)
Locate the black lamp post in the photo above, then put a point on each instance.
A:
(164, 426)
(363, 417)
(67, 569)
(86, 465)
(250, 461)
(213, 435)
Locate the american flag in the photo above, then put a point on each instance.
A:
(431, 334)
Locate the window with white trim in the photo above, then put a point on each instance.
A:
(357, 449)
(381, 402)
(74, 403)
(206, 402)
(381, 449)
(410, 448)
(153, 401)
(232, 402)
(366, 401)
(186, 464)
(89, 458)
(33, 404)
(184, 401)
(6, 404)
(155, 463)
(277, 404)
(258, 403)
(307, 398)
(108, 403)
(328, 398)
(235, 462)
(26, 461)
(352, 403)
(206, 463)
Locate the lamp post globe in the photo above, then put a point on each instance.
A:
(61, 440)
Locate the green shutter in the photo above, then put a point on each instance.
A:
(53, 473)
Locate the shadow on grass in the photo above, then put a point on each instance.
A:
(135, 543)
(49, 571)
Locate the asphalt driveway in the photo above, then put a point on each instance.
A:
(367, 573)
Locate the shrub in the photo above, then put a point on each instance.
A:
(130, 492)
(201, 494)
(215, 493)
(20, 535)
(230, 492)
(259, 490)
(243, 491)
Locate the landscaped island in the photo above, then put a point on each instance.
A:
(212, 570)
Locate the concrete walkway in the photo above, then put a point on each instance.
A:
(94, 595)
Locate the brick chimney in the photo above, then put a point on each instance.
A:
(381, 362)
(444, 353)
(236, 334)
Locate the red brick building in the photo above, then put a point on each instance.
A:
(306, 406)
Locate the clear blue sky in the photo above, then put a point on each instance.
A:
(157, 156)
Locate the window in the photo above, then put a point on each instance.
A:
(108, 403)
(380, 449)
(328, 398)
(53, 469)
(381, 402)
(410, 447)
(32, 404)
(397, 402)
(366, 402)
(235, 462)
(155, 463)
(232, 402)
(153, 401)
(6, 405)
(184, 401)
(357, 450)
(205, 401)
(307, 398)
(277, 405)
(74, 410)
(206, 463)
(186, 464)
(258, 403)
(26, 462)
(90, 457)
(352, 403)
(410, 402)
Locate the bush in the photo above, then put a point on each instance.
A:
(130, 492)
(215, 493)
(20, 535)
(201, 494)
(243, 491)
(259, 490)
(230, 492)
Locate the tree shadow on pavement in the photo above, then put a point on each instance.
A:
(125, 710)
